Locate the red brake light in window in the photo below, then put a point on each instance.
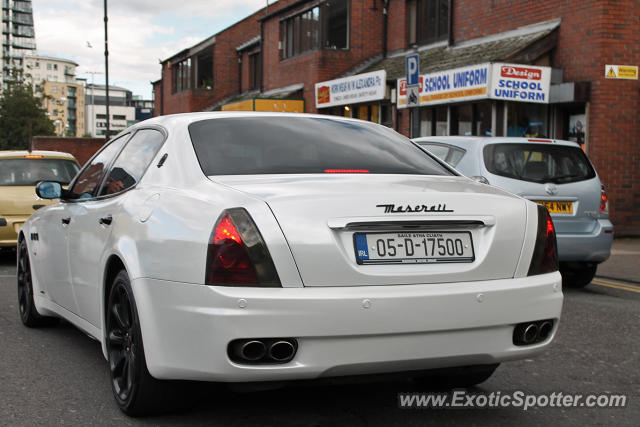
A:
(33, 156)
(604, 201)
(346, 171)
(540, 140)
(237, 254)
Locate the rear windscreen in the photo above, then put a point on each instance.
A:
(28, 172)
(538, 163)
(292, 145)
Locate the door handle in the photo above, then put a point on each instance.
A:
(66, 221)
(107, 220)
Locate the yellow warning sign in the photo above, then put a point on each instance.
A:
(627, 72)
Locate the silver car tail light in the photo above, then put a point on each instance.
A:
(604, 201)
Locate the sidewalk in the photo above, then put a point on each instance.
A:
(624, 263)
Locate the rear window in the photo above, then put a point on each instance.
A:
(28, 172)
(451, 155)
(290, 145)
(538, 163)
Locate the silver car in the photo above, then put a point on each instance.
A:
(556, 174)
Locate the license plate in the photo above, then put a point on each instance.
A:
(413, 247)
(557, 206)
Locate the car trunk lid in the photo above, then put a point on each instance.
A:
(321, 214)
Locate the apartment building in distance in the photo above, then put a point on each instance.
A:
(54, 81)
(18, 37)
(122, 112)
(543, 68)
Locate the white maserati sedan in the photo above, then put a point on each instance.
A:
(259, 247)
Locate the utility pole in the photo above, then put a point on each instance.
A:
(106, 66)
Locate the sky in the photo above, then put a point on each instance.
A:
(141, 33)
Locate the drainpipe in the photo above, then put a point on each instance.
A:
(385, 26)
(262, 55)
(240, 72)
(451, 22)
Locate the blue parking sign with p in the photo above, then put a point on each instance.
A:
(413, 70)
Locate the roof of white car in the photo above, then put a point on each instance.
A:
(187, 118)
(465, 141)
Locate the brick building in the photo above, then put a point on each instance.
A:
(347, 57)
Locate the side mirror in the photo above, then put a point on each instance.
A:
(49, 190)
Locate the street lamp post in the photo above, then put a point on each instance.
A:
(93, 107)
(106, 65)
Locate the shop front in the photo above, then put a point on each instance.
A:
(489, 99)
(362, 96)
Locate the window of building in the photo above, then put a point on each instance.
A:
(55, 67)
(528, 120)
(101, 116)
(428, 20)
(325, 26)
(48, 66)
(54, 89)
(335, 24)
(119, 117)
(204, 70)
(182, 75)
(254, 71)
(37, 64)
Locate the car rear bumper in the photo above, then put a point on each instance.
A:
(340, 331)
(591, 247)
(9, 228)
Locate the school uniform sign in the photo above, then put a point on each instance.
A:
(524, 83)
(509, 82)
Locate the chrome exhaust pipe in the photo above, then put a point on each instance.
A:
(544, 330)
(282, 351)
(250, 350)
(530, 333)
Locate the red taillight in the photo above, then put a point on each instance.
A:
(545, 253)
(346, 171)
(237, 254)
(604, 201)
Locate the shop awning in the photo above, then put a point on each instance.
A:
(524, 46)
(286, 99)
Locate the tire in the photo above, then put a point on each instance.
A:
(578, 275)
(27, 308)
(462, 377)
(136, 392)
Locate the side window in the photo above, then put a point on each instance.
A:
(132, 161)
(91, 176)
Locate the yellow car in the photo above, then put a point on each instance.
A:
(20, 171)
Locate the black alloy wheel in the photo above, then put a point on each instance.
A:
(135, 390)
(28, 313)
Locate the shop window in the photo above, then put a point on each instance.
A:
(182, 75)
(325, 26)
(462, 120)
(527, 120)
(255, 73)
(428, 20)
(431, 121)
(204, 70)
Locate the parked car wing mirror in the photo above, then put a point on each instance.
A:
(49, 190)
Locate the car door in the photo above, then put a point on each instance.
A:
(96, 219)
(82, 192)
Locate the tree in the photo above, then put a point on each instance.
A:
(18, 110)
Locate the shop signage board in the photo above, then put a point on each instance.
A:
(455, 85)
(352, 90)
(523, 83)
(509, 82)
(626, 72)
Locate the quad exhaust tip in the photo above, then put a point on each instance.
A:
(529, 333)
(263, 350)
